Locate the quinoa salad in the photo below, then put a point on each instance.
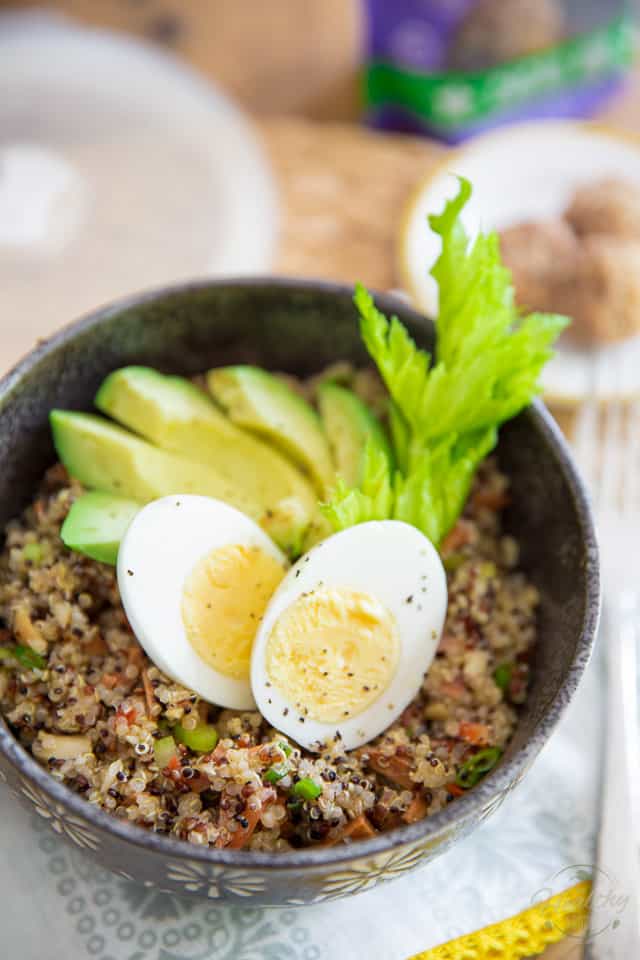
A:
(98, 697)
(257, 612)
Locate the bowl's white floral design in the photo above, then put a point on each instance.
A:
(59, 819)
(214, 882)
(367, 873)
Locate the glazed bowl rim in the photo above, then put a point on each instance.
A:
(465, 808)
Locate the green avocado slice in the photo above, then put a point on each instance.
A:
(104, 456)
(96, 524)
(350, 425)
(260, 402)
(173, 414)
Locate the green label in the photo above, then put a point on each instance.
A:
(453, 99)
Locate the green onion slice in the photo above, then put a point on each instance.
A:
(276, 772)
(202, 739)
(477, 767)
(307, 789)
(25, 656)
(502, 675)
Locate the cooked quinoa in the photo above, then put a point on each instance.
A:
(93, 710)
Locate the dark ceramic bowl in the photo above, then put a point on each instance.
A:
(300, 327)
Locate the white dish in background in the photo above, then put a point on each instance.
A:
(527, 172)
(120, 169)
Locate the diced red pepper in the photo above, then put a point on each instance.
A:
(454, 790)
(128, 713)
(475, 733)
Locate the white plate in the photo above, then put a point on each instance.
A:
(523, 172)
(120, 170)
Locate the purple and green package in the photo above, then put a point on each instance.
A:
(451, 68)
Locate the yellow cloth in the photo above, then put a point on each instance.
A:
(525, 935)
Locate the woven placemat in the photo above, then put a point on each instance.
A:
(343, 189)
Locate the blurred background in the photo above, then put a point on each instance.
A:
(144, 142)
(147, 141)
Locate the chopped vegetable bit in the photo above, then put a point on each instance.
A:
(202, 739)
(276, 772)
(360, 828)
(25, 656)
(286, 749)
(373, 500)
(307, 789)
(445, 414)
(33, 552)
(454, 790)
(164, 750)
(475, 733)
(502, 675)
(477, 767)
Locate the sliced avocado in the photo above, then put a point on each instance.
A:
(318, 531)
(106, 457)
(349, 425)
(174, 414)
(160, 407)
(260, 402)
(289, 526)
(96, 524)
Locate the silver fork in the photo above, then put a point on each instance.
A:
(607, 447)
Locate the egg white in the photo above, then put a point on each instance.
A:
(158, 552)
(391, 561)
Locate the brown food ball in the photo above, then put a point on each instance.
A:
(605, 298)
(495, 31)
(608, 206)
(542, 257)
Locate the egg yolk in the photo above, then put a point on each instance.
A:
(332, 653)
(223, 601)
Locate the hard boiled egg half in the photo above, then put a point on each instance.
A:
(195, 577)
(347, 637)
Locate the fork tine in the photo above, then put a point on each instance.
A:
(631, 487)
(630, 484)
(612, 456)
(585, 434)
(610, 444)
